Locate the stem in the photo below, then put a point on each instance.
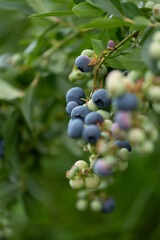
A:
(102, 59)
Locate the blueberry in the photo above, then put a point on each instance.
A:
(123, 119)
(108, 205)
(127, 101)
(82, 62)
(70, 107)
(91, 134)
(101, 168)
(79, 112)
(101, 98)
(75, 128)
(123, 144)
(1, 148)
(75, 94)
(93, 118)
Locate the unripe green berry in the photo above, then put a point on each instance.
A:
(90, 84)
(154, 50)
(102, 71)
(110, 160)
(92, 181)
(122, 166)
(107, 124)
(81, 204)
(156, 37)
(149, 4)
(96, 205)
(135, 75)
(147, 147)
(156, 107)
(136, 136)
(91, 148)
(123, 154)
(88, 52)
(154, 134)
(115, 83)
(104, 114)
(156, 10)
(76, 183)
(91, 105)
(82, 194)
(154, 93)
(81, 164)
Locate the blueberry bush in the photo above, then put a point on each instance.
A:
(79, 103)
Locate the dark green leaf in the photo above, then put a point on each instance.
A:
(130, 10)
(97, 46)
(87, 10)
(110, 6)
(78, 1)
(15, 6)
(141, 22)
(50, 14)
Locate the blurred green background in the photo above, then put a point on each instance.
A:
(36, 201)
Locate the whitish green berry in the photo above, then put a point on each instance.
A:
(156, 107)
(156, 10)
(107, 124)
(115, 83)
(154, 134)
(154, 50)
(156, 37)
(104, 114)
(88, 52)
(81, 164)
(123, 153)
(154, 93)
(92, 181)
(102, 71)
(91, 105)
(147, 147)
(136, 135)
(91, 148)
(76, 183)
(122, 166)
(81, 204)
(149, 4)
(82, 194)
(96, 205)
(90, 84)
(135, 75)
(110, 160)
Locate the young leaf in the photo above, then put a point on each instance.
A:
(97, 46)
(7, 92)
(110, 6)
(87, 10)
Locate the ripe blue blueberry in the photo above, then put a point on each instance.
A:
(101, 99)
(123, 119)
(101, 168)
(82, 62)
(123, 144)
(75, 128)
(127, 101)
(91, 134)
(75, 94)
(93, 118)
(108, 205)
(79, 112)
(70, 107)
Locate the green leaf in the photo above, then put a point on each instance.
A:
(130, 10)
(106, 23)
(37, 5)
(8, 93)
(50, 14)
(97, 46)
(87, 10)
(114, 63)
(78, 1)
(15, 6)
(133, 61)
(141, 22)
(110, 6)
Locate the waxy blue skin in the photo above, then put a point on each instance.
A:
(93, 118)
(91, 134)
(127, 102)
(108, 205)
(101, 99)
(75, 128)
(79, 112)
(82, 62)
(123, 144)
(75, 94)
(70, 107)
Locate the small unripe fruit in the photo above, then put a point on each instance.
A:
(88, 52)
(156, 37)
(156, 107)
(91, 106)
(102, 71)
(111, 44)
(76, 183)
(135, 75)
(154, 93)
(156, 10)
(123, 154)
(81, 164)
(149, 4)
(115, 83)
(102, 168)
(114, 129)
(104, 113)
(123, 119)
(81, 204)
(96, 205)
(107, 124)
(92, 148)
(122, 166)
(147, 147)
(92, 181)
(154, 50)
(136, 136)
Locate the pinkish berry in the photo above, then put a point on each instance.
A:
(111, 44)
(114, 128)
(123, 119)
